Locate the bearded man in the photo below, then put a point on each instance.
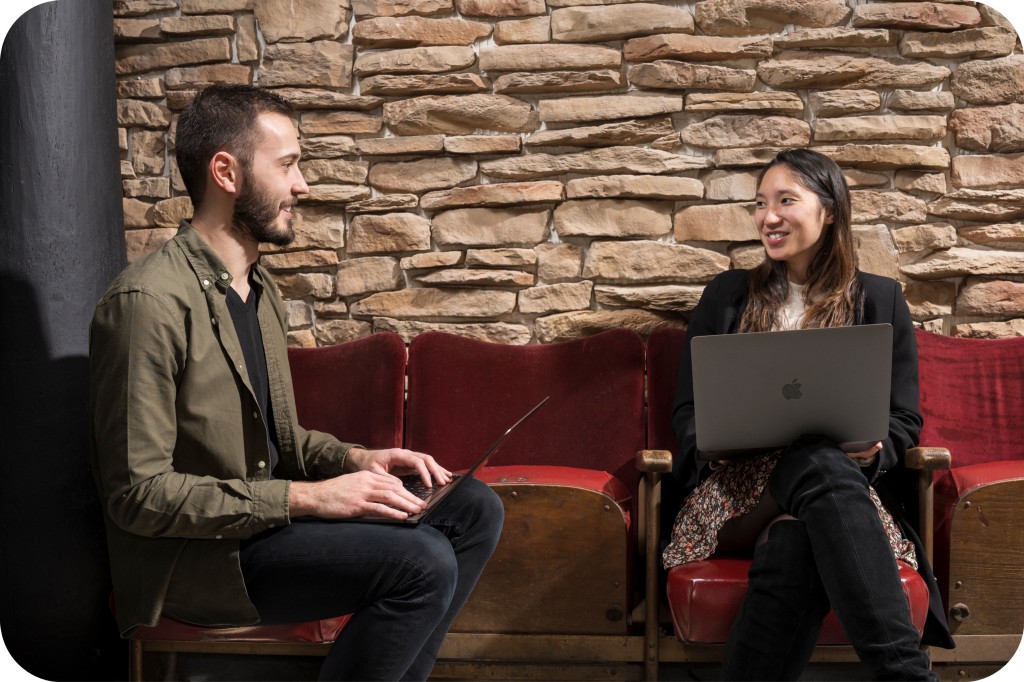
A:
(220, 509)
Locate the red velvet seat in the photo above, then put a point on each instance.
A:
(972, 396)
(314, 632)
(704, 597)
(570, 477)
(354, 391)
(567, 476)
(464, 392)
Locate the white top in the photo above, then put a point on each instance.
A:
(793, 309)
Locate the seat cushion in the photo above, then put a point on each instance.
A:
(570, 477)
(170, 630)
(952, 486)
(705, 596)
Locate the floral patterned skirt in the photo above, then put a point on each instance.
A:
(734, 490)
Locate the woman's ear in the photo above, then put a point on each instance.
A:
(830, 215)
(224, 170)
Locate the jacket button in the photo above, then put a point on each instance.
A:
(206, 282)
(223, 275)
(255, 415)
(261, 464)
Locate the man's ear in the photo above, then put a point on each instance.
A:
(224, 169)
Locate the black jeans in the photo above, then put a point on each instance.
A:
(836, 553)
(404, 584)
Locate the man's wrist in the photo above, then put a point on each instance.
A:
(350, 463)
(300, 499)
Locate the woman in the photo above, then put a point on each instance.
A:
(818, 532)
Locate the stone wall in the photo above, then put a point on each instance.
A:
(528, 171)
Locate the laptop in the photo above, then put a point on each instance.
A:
(433, 495)
(760, 391)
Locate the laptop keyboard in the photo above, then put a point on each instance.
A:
(414, 484)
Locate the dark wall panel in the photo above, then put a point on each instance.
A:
(61, 242)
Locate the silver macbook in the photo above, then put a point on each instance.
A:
(759, 391)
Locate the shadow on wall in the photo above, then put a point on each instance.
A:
(54, 614)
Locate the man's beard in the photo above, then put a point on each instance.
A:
(255, 214)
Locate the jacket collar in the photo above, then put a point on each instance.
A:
(206, 264)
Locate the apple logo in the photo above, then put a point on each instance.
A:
(792, 391)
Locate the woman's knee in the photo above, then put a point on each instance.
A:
(813, 466)
(763, 535)
(786, 549)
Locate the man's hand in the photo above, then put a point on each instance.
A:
(370, 486)
(364, 493)
(398, 462)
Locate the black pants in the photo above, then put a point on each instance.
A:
(405, 584)
(836, 553)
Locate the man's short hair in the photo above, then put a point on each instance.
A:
(221, 118)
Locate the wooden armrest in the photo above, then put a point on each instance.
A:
(654, 461)
(928, 459)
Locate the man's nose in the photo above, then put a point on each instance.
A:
(300, 186)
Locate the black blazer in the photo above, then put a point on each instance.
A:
(719, 311)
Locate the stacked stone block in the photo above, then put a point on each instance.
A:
(528, 171)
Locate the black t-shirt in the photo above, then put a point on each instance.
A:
(247, 327)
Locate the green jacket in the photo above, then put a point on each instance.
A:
(179, 444)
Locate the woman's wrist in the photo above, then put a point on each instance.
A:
(866, 462)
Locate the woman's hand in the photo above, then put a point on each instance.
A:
(866, 458)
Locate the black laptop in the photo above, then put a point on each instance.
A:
(433, 495)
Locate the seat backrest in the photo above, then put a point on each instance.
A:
(972, 396)
(663, 348)
(463, 393)
(354, 391)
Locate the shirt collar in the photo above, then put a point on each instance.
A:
(206, 264)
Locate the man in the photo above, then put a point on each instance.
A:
(220, 508)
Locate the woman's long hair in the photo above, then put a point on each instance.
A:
(833, 294)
